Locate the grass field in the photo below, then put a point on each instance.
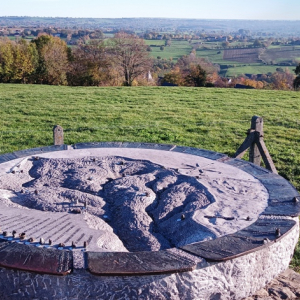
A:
(174, 51)
(215, 119)
(253, 69)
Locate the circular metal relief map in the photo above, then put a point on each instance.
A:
(135, 208)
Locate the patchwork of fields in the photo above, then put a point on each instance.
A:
(236, 61)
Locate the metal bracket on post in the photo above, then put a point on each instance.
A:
(258, 149)
(58, 135)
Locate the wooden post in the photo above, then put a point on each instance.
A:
(58, 135)
(256, 145)
(254, 153)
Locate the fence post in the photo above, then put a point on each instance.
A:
(256, 145)
(58, 135)
(257, 127)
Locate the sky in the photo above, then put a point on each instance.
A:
(192, 9)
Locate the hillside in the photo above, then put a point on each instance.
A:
(215, 119)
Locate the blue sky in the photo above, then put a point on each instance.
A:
(199, 9)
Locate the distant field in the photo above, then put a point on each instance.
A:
(215, 119)
(174, 51)
(253, 69)
(281, 54)
(242, 55)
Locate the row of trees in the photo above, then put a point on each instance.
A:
(47, 59)
(122, 60)
(191, 70)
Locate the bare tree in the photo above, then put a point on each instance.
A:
(130, 56)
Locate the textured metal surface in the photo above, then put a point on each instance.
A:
(29, 152)
(97, 145)
(262, 233)
(40, 150)
(122, 263)
(7, 157)
(30, 258)
(60, 227)
(164, 147)
(253, 238)
(248, 167)
(123, 145)
(199, 152)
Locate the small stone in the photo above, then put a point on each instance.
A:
(21, 171)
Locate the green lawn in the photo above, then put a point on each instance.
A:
(215, 119)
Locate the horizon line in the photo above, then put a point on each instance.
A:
(170, 18)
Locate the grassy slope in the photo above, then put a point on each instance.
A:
(214, 119)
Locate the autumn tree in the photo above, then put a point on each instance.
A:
(6, 60)
(53, 60)
(296, 82)
(196, 77)
(130, 57)
(89, 65)
(191, 70)
(174, 77)
(17, 61)
(282, 80)
(25, 61)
